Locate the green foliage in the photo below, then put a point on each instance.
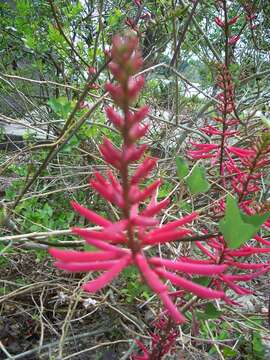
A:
(61, 106)
(209, 312)
(165, 189)
(181, 167)
(196, 181)
(114, 18)
(134, 286)
(3, 259)
(258, 348)
(236, 227)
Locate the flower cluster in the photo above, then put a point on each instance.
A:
(124, 242)
(241, 171)
(251, 15)
(162, 341)
(224, 127)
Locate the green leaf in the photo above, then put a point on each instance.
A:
(236, 227)
(88, 247)
(202, 280)
(181, 167)
(258, 348)
(61, 106)
(197, 182)
(210, 312)
(256, 220)
(185, 206)
(115, 17)
(228, 353)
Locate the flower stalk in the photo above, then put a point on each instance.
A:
(122, 243)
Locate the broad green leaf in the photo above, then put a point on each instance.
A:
(256, 220)
(236, 227)
(202, 280)
(181, 167)
(197, 182)
(61, 106)
(210, 312)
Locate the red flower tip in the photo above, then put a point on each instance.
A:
(114, 117)
(92, 70)
(233, 20)
(219, 22)
(233, 39)
(138, 2)
(90, 215)
(140, 114)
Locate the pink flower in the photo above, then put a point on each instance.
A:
(138, 2)
(92, 70)
(219, 22)
(233, 20)
(233, 39)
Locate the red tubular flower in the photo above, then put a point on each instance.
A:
(92, 70)
(233, 20)
(233, 39)
(219, 22)
(132, 24)
(143, 170)
(216, 249)
(123, 243)
(138, 2)
(241, 171)
(114, 117)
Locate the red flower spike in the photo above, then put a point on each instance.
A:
(144, 221)
(137, 131)
(150, 276)
(116, 185)
(111, 149)
(105, 235)
(140, 196)
(122, 243)
(134, 87)
(174, 224)
(165, 237)
(171, 308)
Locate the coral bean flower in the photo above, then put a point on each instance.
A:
(125, 242)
